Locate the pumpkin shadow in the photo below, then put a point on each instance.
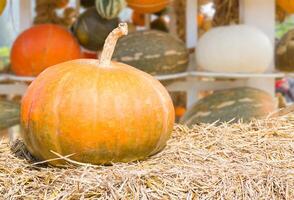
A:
(19, 150)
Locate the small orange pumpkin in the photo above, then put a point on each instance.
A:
(97, 110)
(200, 20)
(138, 19)
(287, 5)
(180, 111)
(42, 46)
(147, 6)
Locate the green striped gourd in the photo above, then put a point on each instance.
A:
(9, 114)
(91, 29)
(154, 52)
(231, 105)
(110, 9)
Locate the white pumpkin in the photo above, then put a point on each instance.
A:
(236, 48)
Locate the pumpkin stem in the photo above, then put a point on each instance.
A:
(110, 43)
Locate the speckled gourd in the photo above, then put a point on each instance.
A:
(231, 105)
(154, 52)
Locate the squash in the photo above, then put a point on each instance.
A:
(148, 6)
(9, 115)
(236, 48)
(2, 6)
(110, 9)
(285, 52)
(91, 108)
(154, 52)
(159, 24)
(286, 5)
(230, 105)
(91, 29)
(42, 46)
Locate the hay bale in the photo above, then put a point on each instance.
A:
(239, 161)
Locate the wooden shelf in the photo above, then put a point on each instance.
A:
(11, 77)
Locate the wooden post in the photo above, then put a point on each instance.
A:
(261, 14)
(25, 14)
(148, 21)
(191, 23)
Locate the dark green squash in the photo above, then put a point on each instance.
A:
(285, 52)
(91, 29)
(230, 105)
(154, 52)
(160, 25)
(9, 114)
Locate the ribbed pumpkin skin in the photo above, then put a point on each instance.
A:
(9, 114)
(147, 6)
(239, 103)
(285, 53)
(154, 52)
(98, 113)
(91, 29)
(287, 5)
(110, 9)
(42, 46)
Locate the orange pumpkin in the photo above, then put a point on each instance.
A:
(180, 111)
(147, 6)
(287, 5)
(138, 19)
(98, 110)
(200, 20)
(61, 3)
(42, 46)
(89, 54)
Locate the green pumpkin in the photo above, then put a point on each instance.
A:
(110, 9)
(91, 29)
(9, 114)
(154, 52)
(230, 105)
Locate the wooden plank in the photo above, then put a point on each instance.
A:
(261, 14)
(191, 23)
(25, 14)
(13, 89)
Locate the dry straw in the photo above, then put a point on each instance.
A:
(239, 161)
